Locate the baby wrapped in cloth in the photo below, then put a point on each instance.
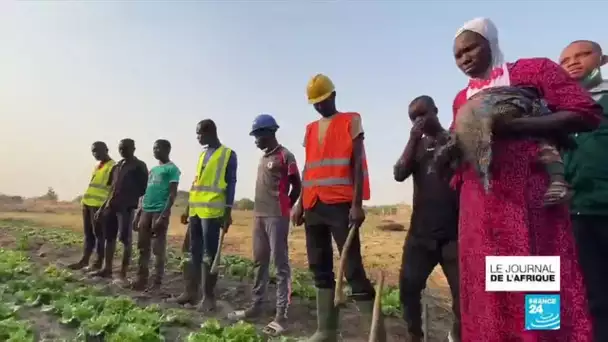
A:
(471, 140)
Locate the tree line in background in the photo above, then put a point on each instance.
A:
(182, 201)
(50, 196)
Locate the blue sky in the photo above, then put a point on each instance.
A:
(75, 72)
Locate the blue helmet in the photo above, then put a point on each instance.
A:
(264, 121)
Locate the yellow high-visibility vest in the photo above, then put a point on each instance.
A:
(98, 190)
(208, 193)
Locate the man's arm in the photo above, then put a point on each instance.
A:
(231, 180)
(406, 164)
(294, 179)
(141, 178)
(174, 176)
(356, 132)
(358, 171)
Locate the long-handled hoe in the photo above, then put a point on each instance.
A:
(339, 294)
(373, 333)
(425, 315)
(218, 255)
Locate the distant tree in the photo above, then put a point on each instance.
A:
(10, 199)
(244, 204)
(50, 195)
(18, 199)
(77, 199)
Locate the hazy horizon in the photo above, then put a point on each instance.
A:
(77, 72)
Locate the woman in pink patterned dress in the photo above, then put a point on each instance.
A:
(511, 219)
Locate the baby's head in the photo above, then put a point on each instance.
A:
(581, 57)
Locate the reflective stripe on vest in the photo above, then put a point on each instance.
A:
(99, 186)
(327, 181)
(331, 180)
(208, 201)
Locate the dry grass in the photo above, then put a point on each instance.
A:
(381, 248)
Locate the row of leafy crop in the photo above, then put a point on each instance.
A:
(96, 317)
(233, 265)
(13, 329)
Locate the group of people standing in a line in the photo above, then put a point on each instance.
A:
(511, 219)
(457, 222)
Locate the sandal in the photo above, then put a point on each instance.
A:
(243, 314)
(274, 328)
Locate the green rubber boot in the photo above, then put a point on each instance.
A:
(367, 311)
(192, 284)
(327, 317)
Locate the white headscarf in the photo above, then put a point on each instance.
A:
(498, 73)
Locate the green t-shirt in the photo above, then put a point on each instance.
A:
(157, 191)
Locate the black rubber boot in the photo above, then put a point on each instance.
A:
(327, 317)
(106, 271)
(209, 281)
(192, 284)
(83, 262)
(97, 265)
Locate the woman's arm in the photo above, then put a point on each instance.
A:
(573, 108)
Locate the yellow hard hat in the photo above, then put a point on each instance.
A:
(319, 88)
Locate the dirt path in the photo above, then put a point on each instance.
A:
(232, 293)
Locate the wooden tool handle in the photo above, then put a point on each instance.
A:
(339, 294)
(373, 333)
(218, 255)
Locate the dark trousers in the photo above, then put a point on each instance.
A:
(321, 223)
(419, 258)
(152, 239)
(591, 234)
(93, 233)
(118, 225)
(204, 239)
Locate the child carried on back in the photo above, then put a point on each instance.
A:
(471, 140)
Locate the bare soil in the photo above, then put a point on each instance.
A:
(232, 294)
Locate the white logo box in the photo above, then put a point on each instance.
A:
(523, 273)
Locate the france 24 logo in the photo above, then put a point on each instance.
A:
(542, 312)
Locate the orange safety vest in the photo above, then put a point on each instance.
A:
(328, 172)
